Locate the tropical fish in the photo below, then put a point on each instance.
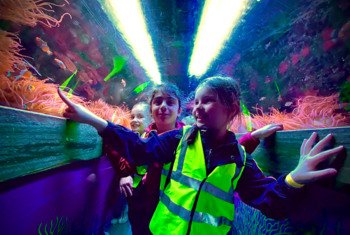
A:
(305, 51)
(24, 73)
(330, 38)
(279, 98)
(60, 64)
(262, 98)
(43, 45)
(268, 79)
(295, 59)
(289, 103)
(66, 60)
(32, 67)
(283, 67)
(31, 88)
(123, 82)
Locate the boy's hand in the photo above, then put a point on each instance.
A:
(266, 131)
(78, 113)
(306, 170)
(125, 186)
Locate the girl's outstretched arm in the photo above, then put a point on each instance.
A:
(139, 151)
(78, 113)
(306, 170)
(251, 140)
(276, 199)
(266, 131)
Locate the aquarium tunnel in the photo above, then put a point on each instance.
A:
(291, 60)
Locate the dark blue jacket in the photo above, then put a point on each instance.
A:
(272, 197)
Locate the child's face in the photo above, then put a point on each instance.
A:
(208, 111)
(165, 109)
(140, 118)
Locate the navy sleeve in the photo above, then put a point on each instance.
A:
(272, 197)
(140, 151)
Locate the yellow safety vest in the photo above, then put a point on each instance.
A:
(193, 202)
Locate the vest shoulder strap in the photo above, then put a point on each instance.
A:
(240, 167)
(185, 134)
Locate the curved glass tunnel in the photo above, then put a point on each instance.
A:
(291, 58)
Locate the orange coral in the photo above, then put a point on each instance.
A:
(32, 94)
(9, 51)
(38, 96)
(310, 112)
(115, 114)
(29, 12)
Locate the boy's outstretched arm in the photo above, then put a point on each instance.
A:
(78, 113)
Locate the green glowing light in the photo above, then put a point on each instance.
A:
(278, 88)
(130, 21)
(218, 20)
(65, 83)
(118, 64)
(247, 117)
(141, 87)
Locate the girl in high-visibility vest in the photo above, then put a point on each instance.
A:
(204, 165)
(141, 187)
(138, 183)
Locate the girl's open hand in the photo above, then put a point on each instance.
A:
(266, 131)
(125, 186)
(306, 170)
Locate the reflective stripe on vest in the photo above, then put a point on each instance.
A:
(197, 217)
(194, 202)
(140, 170)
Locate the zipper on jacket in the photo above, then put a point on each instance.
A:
(194, 206)
(208, 161)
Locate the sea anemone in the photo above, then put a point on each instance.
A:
(310, 112)
(39, 96)
(115, 114)
(30, 12)
(9, 51)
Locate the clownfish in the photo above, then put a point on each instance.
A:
(25, 73)
(43, 45)
(60, 64)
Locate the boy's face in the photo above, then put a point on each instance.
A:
(208, 111)
(140, 118)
